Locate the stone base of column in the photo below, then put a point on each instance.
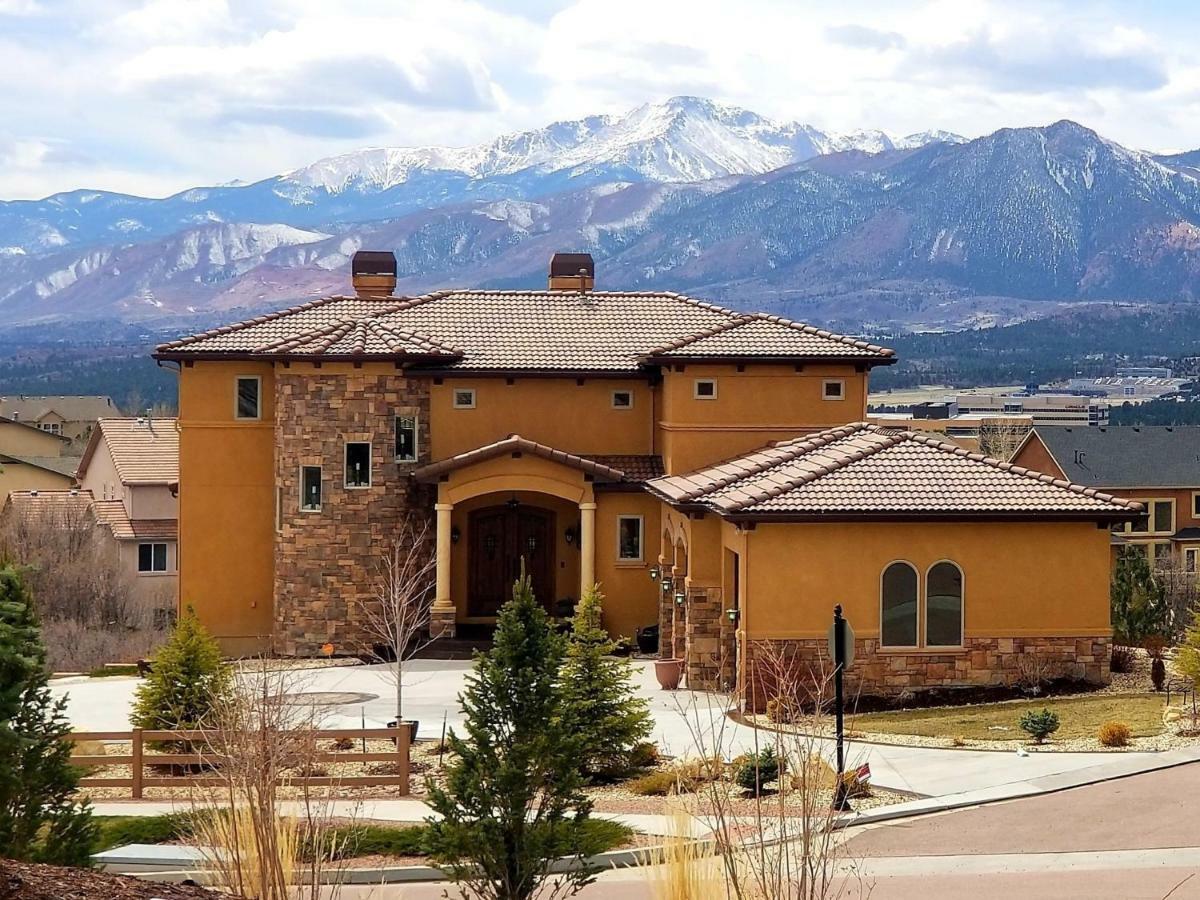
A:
(442, 621)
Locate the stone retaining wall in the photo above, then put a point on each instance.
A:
(325, 562)
(984, 662)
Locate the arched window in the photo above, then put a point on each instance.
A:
(898, 606)
(944, 605)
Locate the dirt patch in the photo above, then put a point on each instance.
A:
(29, 881)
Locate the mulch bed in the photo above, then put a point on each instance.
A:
(31, 881)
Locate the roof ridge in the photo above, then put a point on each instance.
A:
(711, 330)
(824, 333)
(793, 449)
(889, 440)
(258, 320)
(1003, 466)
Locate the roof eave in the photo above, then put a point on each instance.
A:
(251, 355)
(669, 359)
(1116, 515)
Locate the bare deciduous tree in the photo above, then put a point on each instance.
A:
(1001, 438)
(397, 617)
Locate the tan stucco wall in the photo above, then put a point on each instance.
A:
(1020, 578)
(752, 408)
(160, 589)
(151, 501)
(23, 440)
(101, 477)
(630, 597)
(23, 477)
(226, 504)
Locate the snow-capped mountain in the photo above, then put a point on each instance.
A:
(929, 229)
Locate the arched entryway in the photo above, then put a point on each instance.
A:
(500, 540)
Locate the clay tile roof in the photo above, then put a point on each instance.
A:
(144, 451)
(63, 509)
(865, 470)
(514, 443)
(636, 467)
(521, 330)
(112, 514)
(760, 335)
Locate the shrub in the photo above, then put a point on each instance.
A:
(1040, 724)
(343, 743)
(779, 711)
(857, 787)
(40, 820)
(1114, 734)
(1120, 660)
(662, 783)
(187, 682)
(754, 771)
(644, 755)
(599, 699)
(1158, 672)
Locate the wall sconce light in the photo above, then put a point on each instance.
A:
(680, 596)
(732, 614)
(666, 586)
(455, 534)
(654, 573)
(571, 534)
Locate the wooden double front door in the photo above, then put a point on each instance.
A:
(499, 538)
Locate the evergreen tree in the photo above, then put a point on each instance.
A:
(512, 800)
(39, 818)
(598, 691)
(187, 679)
(1139, 600)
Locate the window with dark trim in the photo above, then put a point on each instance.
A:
(358, 464)
(249, 390)
(152, 557)
(629, 538)
(898, 606)
(310, 488)
(406, 438)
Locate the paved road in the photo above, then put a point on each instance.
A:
(432, 687)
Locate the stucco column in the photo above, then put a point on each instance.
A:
(587, 546)
(442, 617)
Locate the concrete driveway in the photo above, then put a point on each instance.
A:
(431, 697)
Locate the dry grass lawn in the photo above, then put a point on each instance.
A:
(1079, 717)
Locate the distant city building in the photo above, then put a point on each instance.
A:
(1044, 409)
(1124, 387)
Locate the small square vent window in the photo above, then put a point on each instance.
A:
(834, 390)
(622, 399)
(705, 389)
(464, 398)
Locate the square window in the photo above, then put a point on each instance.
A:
(622, 399)
(1196, 506)
(833, 389)
(406, 438)
(1141, 524)
(152, 557)
(629, 538)
(1161, 556)
(1189, 559)
(310, 488)
(248, 390)
(358, 464)
(464, 398)
(705, 389)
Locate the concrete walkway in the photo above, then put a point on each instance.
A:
(685, 724)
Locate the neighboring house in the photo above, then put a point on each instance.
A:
(131, 470)
(69, 416)
(580, 434)
(31, 459)
(1156, 465)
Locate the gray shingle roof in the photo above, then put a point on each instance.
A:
(1126, 456)
(864, 470)
(523, 330)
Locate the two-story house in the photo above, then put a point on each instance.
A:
(70, 416)
(1159, 466)
(32, 459)
(693, 460)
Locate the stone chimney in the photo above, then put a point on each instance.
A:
(373, 273)
(572, 272)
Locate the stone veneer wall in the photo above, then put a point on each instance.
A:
(325, 562)
(984, 662)
(710, 642)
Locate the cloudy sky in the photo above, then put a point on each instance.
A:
(152, 96)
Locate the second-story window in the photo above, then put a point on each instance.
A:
(358, 464)
(833, 389)
(464, 398)
(705, 389)
(622, 399)
(249, 389)
(406, 438)
(310, 488)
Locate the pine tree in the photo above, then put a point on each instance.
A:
(186, 681)
(1139, 600)
(39, 818)
(598, 690)
(512, 800)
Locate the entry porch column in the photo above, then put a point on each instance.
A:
(443, 616)
(587, 547)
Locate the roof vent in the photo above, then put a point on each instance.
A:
(572, 272)
(373, 273)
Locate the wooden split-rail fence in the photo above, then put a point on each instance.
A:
(141, 756)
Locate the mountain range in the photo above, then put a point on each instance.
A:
(861, 230)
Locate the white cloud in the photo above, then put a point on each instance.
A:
(161, 94)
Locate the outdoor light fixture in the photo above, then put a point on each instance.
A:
(455, 534)
(654, 573)
(666, 586)
(571, 534)
(680, 596)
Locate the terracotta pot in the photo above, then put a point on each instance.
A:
(668, 672)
